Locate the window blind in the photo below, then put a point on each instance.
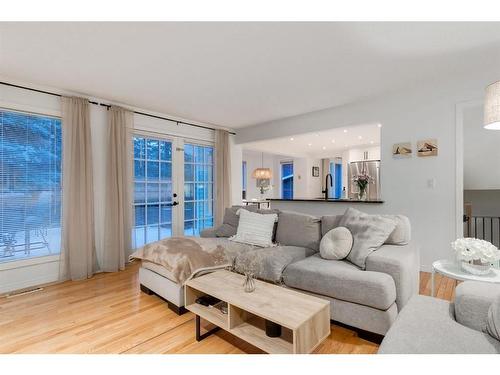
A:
(30, 185)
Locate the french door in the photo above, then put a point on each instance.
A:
(173, 187)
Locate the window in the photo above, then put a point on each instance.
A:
(287, 180)
(244, 179)
(30, 191)
(152, 190)
(336, 172)
(198, 188)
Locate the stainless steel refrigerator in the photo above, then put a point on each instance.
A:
(372, 167)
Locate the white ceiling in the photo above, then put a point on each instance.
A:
(321, 144)
(240, 74)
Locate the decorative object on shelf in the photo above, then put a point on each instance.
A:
(263, 177)
(272, 329)
(492, 107)
(249, 265)
(475, 255)
(402, 150)
(249, 283)
(315, 171)
(427, 147)
(362, 180)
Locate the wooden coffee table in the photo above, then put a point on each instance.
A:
(305, 319)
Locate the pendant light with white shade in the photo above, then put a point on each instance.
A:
(492, 107)
(262, 173)
(263, 177)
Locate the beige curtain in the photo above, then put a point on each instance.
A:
(118, 206)
(78, 237)
(223, 174)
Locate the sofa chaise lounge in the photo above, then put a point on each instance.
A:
(368, 299)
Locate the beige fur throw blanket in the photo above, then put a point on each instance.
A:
(184, 256)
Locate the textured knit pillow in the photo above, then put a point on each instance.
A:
(255, 229)
(336, 244)
(369, 232)
(493, 326)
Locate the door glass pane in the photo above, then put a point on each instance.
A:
(152, 233)
(30, 185)
(166, 151)
(165, 214)
(152, 170)
(165, 193)
(198, 196)
(166, 172)
(188, 153)
(139, 148)
(140, 216)
(139, 169)
(153, 193)
(165, 230)
(152, 152)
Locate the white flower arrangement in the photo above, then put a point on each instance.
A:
(469, 249)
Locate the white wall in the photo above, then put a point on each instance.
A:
(304, 184)
(423, 111)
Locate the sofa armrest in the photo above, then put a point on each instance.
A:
(426, 326)
(402, 262)
(472, 303)
(208, 233)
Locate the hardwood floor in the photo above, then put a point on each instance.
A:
(109, 314)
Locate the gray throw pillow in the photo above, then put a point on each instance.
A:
(493, 327)
(329, 222)
(369, 232)
(401, 235)
(336, 244)
(296, 229)
(225, 230)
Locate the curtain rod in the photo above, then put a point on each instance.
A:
(108, 105)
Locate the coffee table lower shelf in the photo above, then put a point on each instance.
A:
(250, 327)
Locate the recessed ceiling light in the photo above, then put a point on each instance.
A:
(291, 139)
(346, 145)
(333, 140)
(371, 142)
(324, 147)
(309, 144)
(379, 125)
(345, 130)
(360, 137)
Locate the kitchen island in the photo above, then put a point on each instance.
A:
(321, 206)
(329, 200)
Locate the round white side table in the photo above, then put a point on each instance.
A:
(452, 269)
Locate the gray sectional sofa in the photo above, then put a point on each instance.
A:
(368, 299)
(433, 326)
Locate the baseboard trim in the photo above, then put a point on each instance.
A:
(425, 268)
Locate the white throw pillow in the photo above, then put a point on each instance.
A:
(255, 229)
(336, 244)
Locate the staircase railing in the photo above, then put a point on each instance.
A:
(483, 227)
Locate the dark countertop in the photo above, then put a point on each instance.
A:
(330, 200)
